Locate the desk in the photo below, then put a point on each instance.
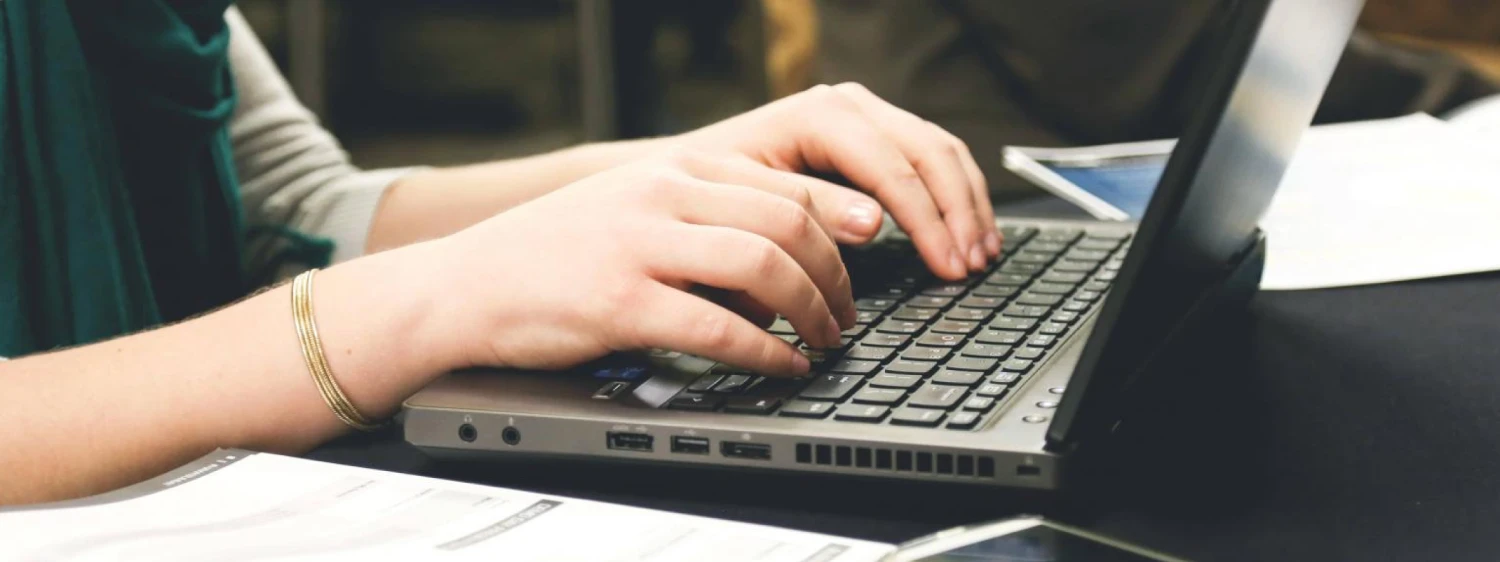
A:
(1351, 424)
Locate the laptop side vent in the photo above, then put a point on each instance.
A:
(896, 460)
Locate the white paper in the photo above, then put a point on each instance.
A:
(1361, 203)
(272, 507)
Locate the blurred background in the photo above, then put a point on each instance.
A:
(439, 82)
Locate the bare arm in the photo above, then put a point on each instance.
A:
(97, 417)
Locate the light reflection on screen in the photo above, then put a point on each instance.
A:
(1037, 544)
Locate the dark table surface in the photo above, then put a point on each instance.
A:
(1348, 424)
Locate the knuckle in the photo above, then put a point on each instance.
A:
(801, 195)
(714, 331)
(852, 87)
(795, 222)
(764, 258)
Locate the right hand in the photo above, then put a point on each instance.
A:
(611, 262)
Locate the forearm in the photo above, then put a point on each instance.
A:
(435, 203)
(97, 417)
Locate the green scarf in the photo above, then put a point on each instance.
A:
(119, 205)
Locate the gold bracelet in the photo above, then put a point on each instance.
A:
(317, 362)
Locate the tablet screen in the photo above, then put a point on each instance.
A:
(1037, 544)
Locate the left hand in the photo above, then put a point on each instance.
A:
(920, 172)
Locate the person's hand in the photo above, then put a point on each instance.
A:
(613, 262)
(922, 174)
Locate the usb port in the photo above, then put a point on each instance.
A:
(755, 451)
(690, 445)
(630, 441)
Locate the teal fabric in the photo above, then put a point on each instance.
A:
(119, 205)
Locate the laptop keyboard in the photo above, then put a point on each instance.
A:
(927, 352)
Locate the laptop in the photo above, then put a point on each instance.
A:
(994, 381)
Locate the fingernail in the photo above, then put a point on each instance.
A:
(992, 243)
(862, 218)
(800, 364)
(976, 258)
(956, 262)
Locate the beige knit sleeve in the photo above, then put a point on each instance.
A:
(293, 174)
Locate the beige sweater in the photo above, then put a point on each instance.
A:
(292, 171)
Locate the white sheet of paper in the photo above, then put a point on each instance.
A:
(264, 506)
(1376, 202)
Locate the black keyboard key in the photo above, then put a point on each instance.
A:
(854, 367)
(963, 420)
(1013, 324)
(1044, 246)
(833, 388)
(1025, 256)
(775, 387)
(1052, 328)
(865, 413)
(875, 305)
(1075, 306)
(905, 367)
(923, 353)
(1000, 337)
(939, 396)
(1038, 299)
(733, 383)
(1026, 311)
(1087, 296)
(892, 292)
(889, 380)
(882, 396)
(869, 353)
(1085, 254)
(1075, 266)
(866, 316)
(1050, 289)
(955, 377)
(1030, 269)
(1030, 353)
(1017, 234)
(1065, 235)
(1064, 317)
(1092, 243)
(934, 339)
(885, 340)
(752, 405)
(694, 402)
(899, 327)
(1109, 274)
(913, 314)
(990, 390)
(1016, 365)
(920, 417)
(1062, 277)
(929, 302)
(972, 364)
(950, 290)
(1042, 341)
(855, 331)
(705, 383)
(1008, 279)
(1096, 286)
(973, 301)
(986, 351)
(781, 326)
(805, 409)
(1005, 378)
(996, 291)
(952, 327)
(979, 403)
(1117, 235)
(967, 314)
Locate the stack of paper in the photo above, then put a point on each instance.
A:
(1362, 203)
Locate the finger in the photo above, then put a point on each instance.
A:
(787, 221)
(679, 321)
(993, 239)
(737, 260)
(849, 216)
(837, 137)
(741, 304)
(936, 159)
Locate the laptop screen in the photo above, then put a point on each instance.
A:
(1273, 63)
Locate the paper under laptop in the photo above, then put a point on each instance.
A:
(236, 505)
(1362, 203)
